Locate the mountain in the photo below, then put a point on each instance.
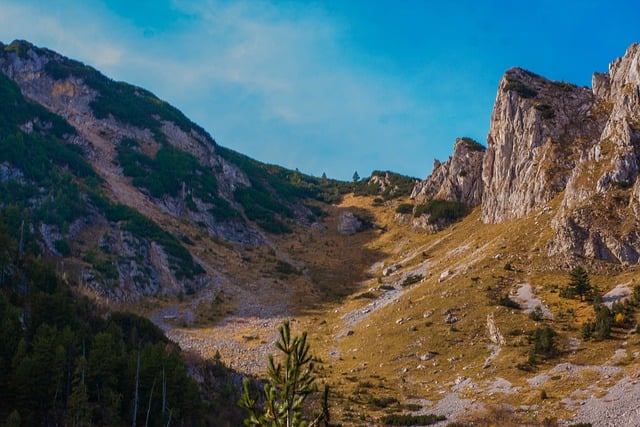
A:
(549, 138)
(134, 181)
(455, 295)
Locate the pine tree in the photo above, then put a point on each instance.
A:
(79, 406)
(290, 383)
(580, 282)
(602, 324)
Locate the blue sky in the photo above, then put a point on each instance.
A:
(331, 86)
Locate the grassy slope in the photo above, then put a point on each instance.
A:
(381, 358)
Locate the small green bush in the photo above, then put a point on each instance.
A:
(536, 315)
(546, 110)
(472, 144)
(508, 302)
(404, 208)
(520, 88)
(284, 267)
(441, 210)
(567, 87)
(382, 402)
(603, 323)
(63, 247)
(567, 292)
(410, 280)
(411, 420)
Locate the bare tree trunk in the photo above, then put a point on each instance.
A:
(21, 244)
(164, 392)
(135, 400)
(146, 423)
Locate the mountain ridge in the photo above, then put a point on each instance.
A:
(544, 138)
(150, 214)
(153, 159)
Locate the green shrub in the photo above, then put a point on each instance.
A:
(520, 88)
(567, 292)
(546, 110)
(544, 343)
(366, 295)
(63, 247)
(567, 87)
(472, 144)
(441, 210)
(410, 280)
(603, 323)
(107, 268)
(508, 302)
(284, 267)
(404, 208)
(411, 420)
(586, 330)
(381, 402)
(536, 315)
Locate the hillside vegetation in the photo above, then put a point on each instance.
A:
(502, 290)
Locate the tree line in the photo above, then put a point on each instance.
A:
(64, 361)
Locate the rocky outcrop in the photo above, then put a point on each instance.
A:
(600, 212)
(538, 130)
(493, 333)
(550, 139)
(458, 179)
(349, 224)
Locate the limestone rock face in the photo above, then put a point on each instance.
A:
(493, 333)
(458, 179)
(600, 211)
(538, 130)
(552, 139)
(349, 224)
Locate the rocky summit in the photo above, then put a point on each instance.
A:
(503, 289)
(548, 138)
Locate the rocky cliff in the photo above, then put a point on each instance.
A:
(538, 130)
(458, 179)
(552, 139)
(599, 215)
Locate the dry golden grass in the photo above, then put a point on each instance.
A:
(386, 353)
(379, 357)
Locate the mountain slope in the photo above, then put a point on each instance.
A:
(159, 182)
(142, 209)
